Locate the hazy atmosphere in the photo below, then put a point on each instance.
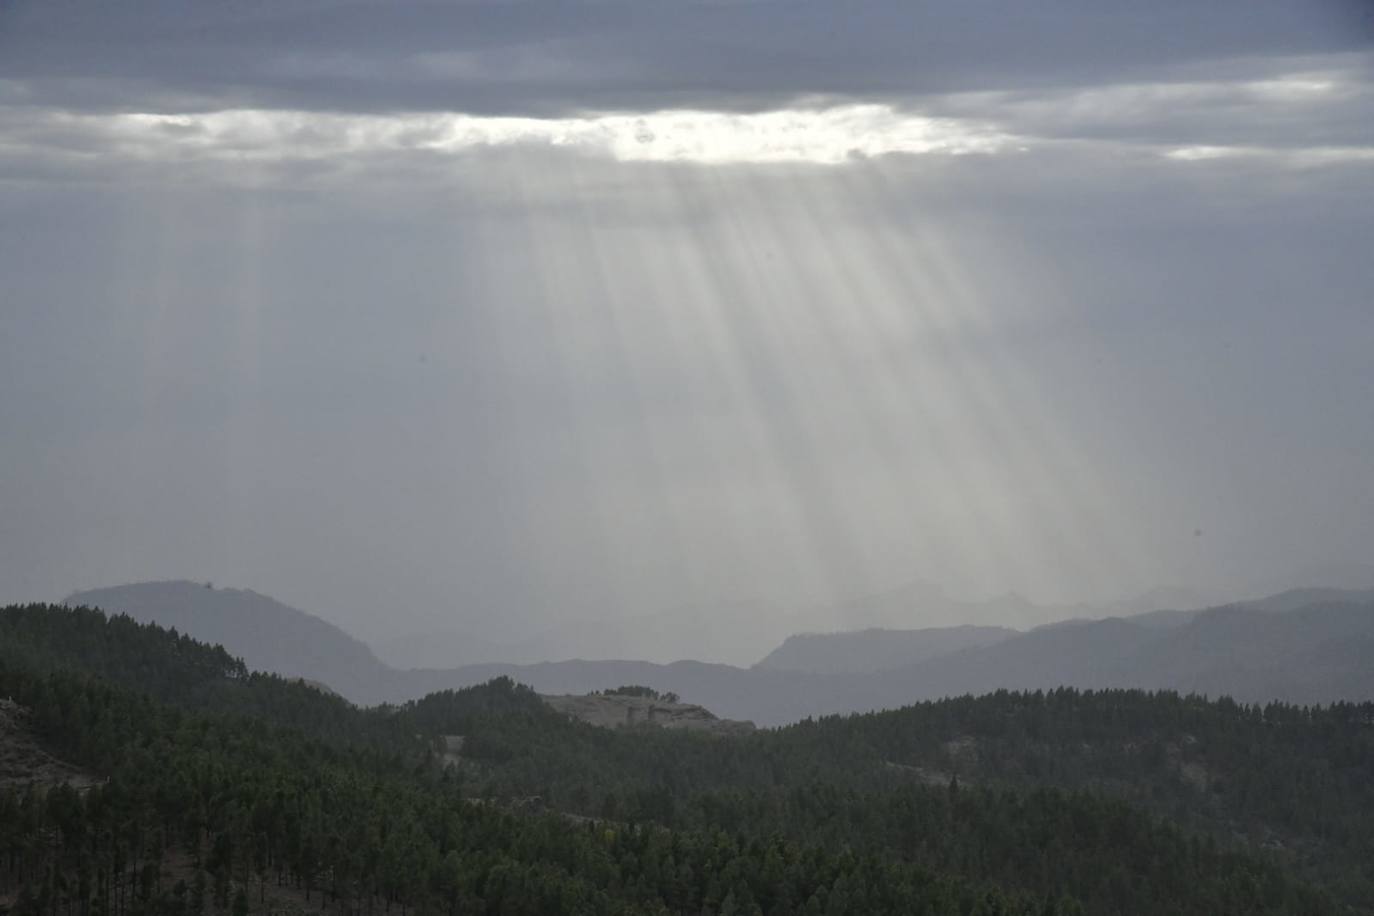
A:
(686, 458)
(506, 317)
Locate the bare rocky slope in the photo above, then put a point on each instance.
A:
(619, 711)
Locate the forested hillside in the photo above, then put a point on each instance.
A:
(266, 634)
(227, 791)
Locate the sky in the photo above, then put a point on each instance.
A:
(490, 317)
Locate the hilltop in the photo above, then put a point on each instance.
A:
(613, 709)
(266, 634)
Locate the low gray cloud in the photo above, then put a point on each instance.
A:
(1273, 103)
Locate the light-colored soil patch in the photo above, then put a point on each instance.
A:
(24, 762)
(451, 749)
(922, 775)
(962, 752)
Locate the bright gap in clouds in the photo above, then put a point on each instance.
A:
(817, 135)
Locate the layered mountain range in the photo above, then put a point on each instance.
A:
(1304, 646)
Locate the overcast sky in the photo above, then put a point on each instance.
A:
(488, 315)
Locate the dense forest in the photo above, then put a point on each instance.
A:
(217, 789)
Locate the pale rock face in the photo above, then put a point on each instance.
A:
(616, 711)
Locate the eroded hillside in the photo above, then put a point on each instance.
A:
(24, 762)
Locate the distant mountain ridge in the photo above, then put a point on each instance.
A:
(742, 633)
(1317, 653)
(1278, 648)
(880, 649)
(1309, 646)
(874, 649)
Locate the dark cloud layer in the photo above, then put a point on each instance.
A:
(547, 58)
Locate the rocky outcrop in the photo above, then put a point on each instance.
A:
(617, 711)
